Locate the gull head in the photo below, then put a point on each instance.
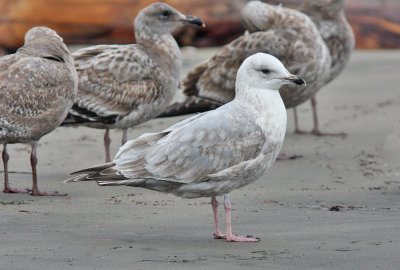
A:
(44, 42)
(161, 17)
(41, 32)
(265, 71)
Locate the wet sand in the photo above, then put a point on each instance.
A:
(337, 207)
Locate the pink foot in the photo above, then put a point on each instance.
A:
(238, 238)
(15, 190)
(230, 237)
(44, 193)
(219, 235)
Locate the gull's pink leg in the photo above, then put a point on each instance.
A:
(315, 130)
(7, 188)
(107, 142)
(217, 232)
(124, 136)
(35, 190)
(229, 236)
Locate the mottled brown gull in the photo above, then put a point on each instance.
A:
(330, 19)
(212, 153)
(37, 87)
(121, 86)
(285, 33)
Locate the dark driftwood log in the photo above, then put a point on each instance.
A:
(375, 22)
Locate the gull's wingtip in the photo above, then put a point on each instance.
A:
(94, 169)
(76, 179)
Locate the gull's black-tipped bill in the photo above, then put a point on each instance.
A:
(294, 79)
(299, 81)
(193, 20)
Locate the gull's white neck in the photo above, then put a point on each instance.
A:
(266, 104)
(259, 97)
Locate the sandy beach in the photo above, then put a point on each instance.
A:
(336, 207)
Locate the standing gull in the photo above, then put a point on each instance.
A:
(287, 34)
(330, 19)
(37, 87)
(121, 86)
(212, 153)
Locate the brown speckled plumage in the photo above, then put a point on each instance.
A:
(37, 87)
(287, 34)
(121, 86)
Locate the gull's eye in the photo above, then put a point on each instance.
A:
(165, 13)
(265, 71)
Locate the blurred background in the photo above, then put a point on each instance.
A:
(376, 23)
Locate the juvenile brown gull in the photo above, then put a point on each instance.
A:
(37, 87)
(121, 86)
(212, 153)
(285, 33)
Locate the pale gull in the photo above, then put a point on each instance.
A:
(212, 153)
(37, 87)
(121, 86)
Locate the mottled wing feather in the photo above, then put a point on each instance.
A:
(114, 80)
(190, 151)
(83, 57)
(192, 77)
(190, 105)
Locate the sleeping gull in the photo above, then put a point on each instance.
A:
(285, 33)
(121, 86)
(212, 153)
(37, 87)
